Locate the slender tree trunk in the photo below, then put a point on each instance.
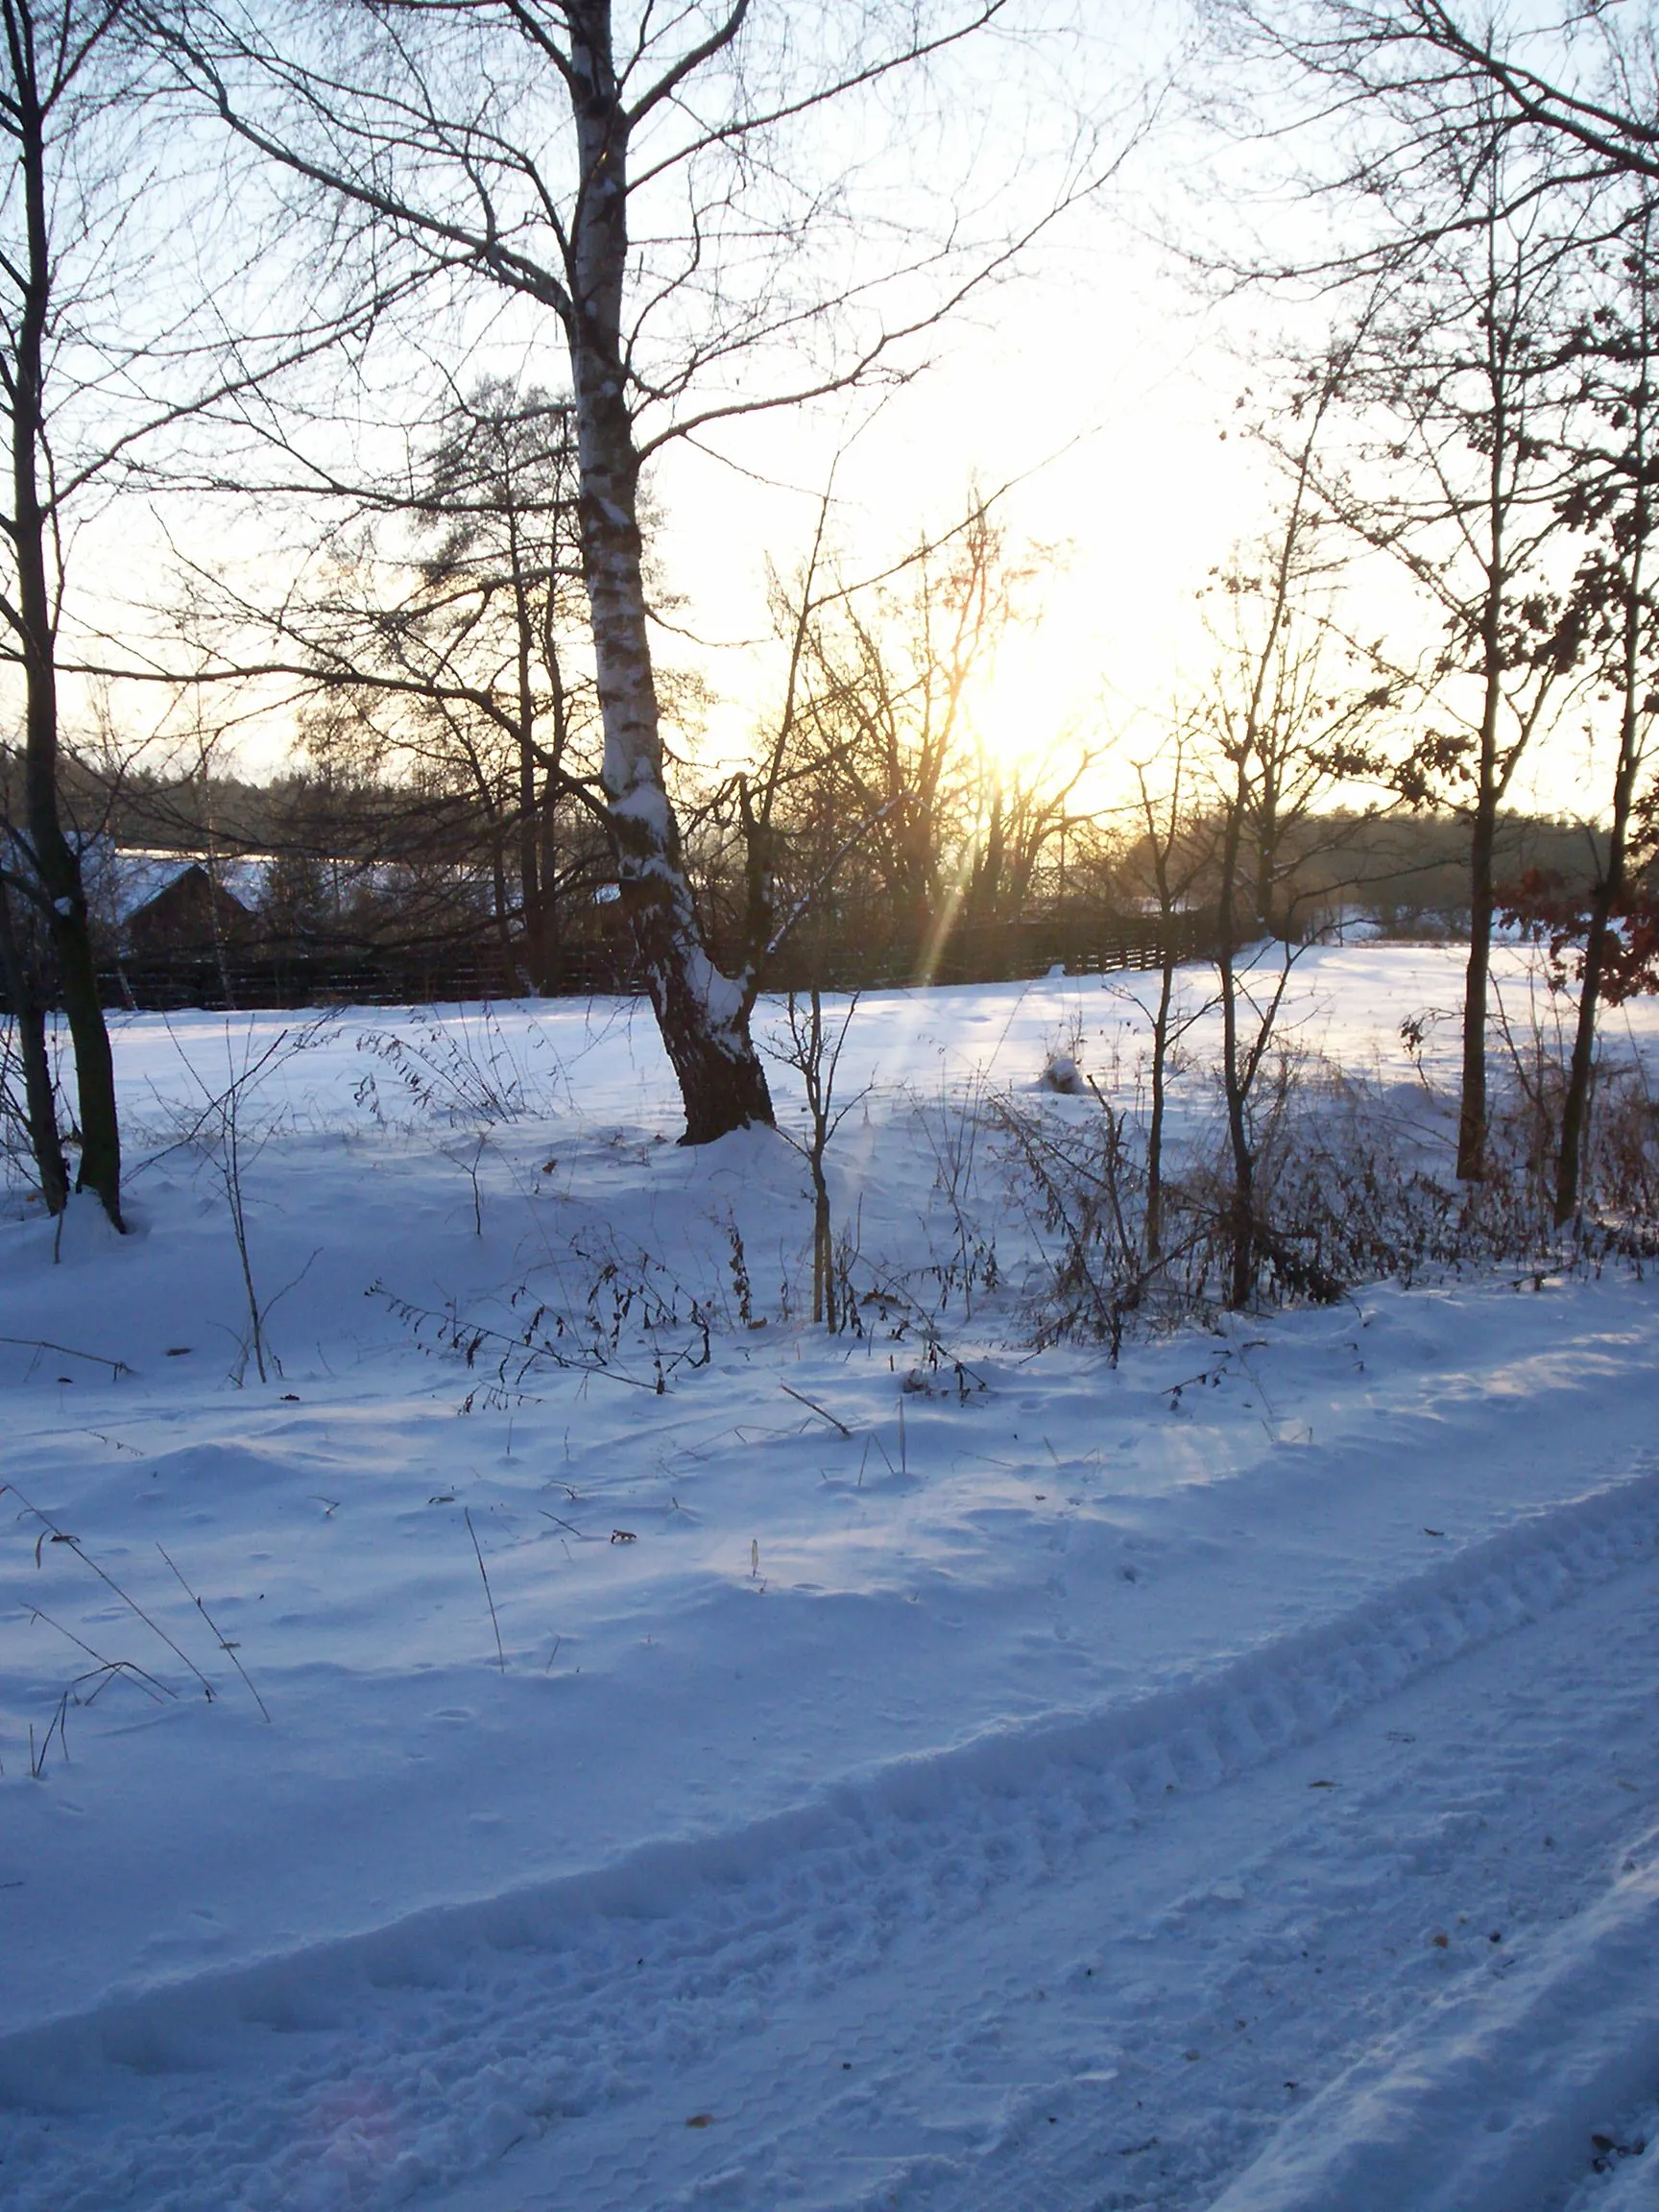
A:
(39, 1104)
(1471, 1112)
(56, 865)
(530, 889)
(1241, 1221)
(1266, 854)
(703, 1015)
(501, 901)
(1159, 1077)
(1575, 1106)
(1472, 1107)
(530, 900)
(819, 1078)
(1610, 884)
(823, 1245)
(547, 876)
(987, 903)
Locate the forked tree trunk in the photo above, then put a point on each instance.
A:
(703, 1015)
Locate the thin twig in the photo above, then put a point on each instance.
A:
(467, 1516)
(131, 1666)
(812, 1406)
(60, 1536)
(68, 1352)
(570, 1525)
(229, 1649)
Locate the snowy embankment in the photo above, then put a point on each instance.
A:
(1228, 1777)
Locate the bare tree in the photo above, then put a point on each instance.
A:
(1172, 859)
(1470, 187)
(1023, 809)
(1584, 77)
(115, 307)
(643, 178)
(882, 675)
(812, 1046)
(1287, 715)
(1453, 392)
(1465, 373)
(502, 573)
(1614, 467)
(50, 102)
(444, 611)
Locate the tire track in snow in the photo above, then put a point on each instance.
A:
(1340, 1941)
(357, 2074)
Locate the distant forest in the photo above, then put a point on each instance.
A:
(336, 871)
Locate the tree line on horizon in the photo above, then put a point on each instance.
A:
(329, 871)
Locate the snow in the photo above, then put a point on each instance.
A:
(120, 882)
(996, 1780)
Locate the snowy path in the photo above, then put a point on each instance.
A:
(990, 1979)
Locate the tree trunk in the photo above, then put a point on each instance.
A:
(530, 898)
(56, 863)
(823, 1249)
(1241, 1236)
(530, 885)
(1609, 888)
(502, 904)
(1472, 1107)
(40, 1105)
(1159, 1076)
(1575, 1106)
(702, 1014)
(547, 876)
(1266, 857)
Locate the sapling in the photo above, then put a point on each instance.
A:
(218, 1130)
(814, 1050)
(1176, 848)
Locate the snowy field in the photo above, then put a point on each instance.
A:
(844, 1775)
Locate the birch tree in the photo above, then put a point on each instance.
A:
(662, 189)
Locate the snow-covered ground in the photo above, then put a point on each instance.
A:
(837, 1778)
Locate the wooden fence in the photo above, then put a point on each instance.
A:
(251, 975)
